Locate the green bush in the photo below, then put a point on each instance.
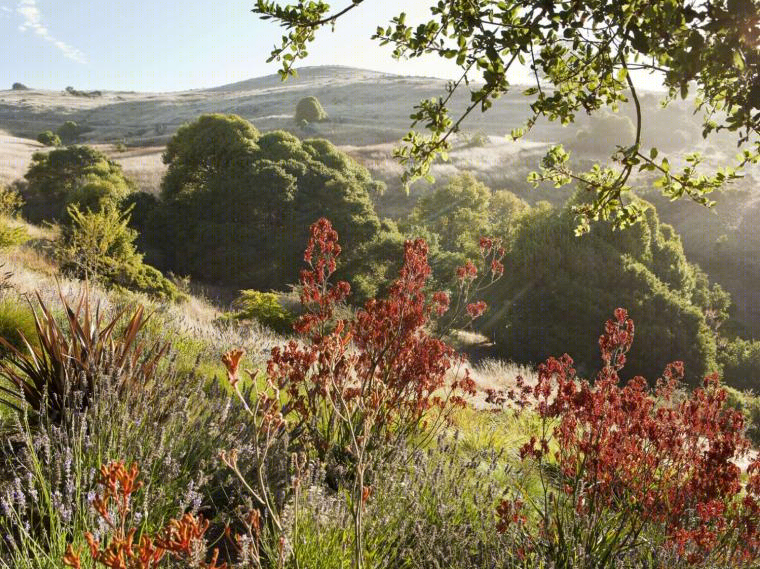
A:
(251, 199)
(16, 323)
(71, 132)
(264, 307)
(76, 175)
(465, 209)
(309, 109)
(100, 244)
(740, 360)
(49, 138)
(11, 232)
(558, 287)
(748, 402)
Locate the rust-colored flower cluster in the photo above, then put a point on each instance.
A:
(381, 362)
(649, 458)
(181, 539)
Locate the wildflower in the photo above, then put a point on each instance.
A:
(231, 361)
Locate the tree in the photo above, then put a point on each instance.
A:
(71, 131)
(457, 212)
(309, 109)
(76, 175)
(556, 286)
(252, 198)
(100, 244)
(581, 55)
(49, 138)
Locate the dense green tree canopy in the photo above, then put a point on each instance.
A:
(581, 54)
(465, 209)
(557, 289)
(76, 175)
(49, 138)
(251, 199)
(457, 212)
(309, 109)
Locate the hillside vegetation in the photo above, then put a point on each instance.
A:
(230, 338)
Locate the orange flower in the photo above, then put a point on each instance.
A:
(231, 361)
(72, 559)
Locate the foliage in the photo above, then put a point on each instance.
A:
(49, 138)
(173, 426)
(458, 213)
(581, 55)
(76, 175)
(16, 325)
(55, 371)
(70, 132)
(376, 263)
(181, 539)
(577, 280)
(351, 385)
(740, 360)
(250, 199)
(749, 404)
(101, 245)
(209, 146)
(398, 367)
(441, 518)
(264, 307)
(636, 470)
(11, 232)
(309, 109)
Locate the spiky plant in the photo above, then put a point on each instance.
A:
(56, 373)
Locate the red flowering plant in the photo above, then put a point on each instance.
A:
(181, 540)
(472, 279)
(380, 362)
(351, 384)
(626, 469)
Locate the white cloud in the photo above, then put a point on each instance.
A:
(32, 16)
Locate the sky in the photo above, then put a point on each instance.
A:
(173, 45)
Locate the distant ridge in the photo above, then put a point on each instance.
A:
(337, 73)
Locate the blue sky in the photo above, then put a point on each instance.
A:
(170, 45)
(162, 45)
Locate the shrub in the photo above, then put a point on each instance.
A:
(264, 307)
(173, 425)
(740, 360)
(457, 212)
(354, 384)
(309, 109)
(180, 538)
(748, 403)
(57, 377)
(11, 232)
(76, 175)
(440, 519)
(19, 87)
(577, 280)
(251, 199)
(632, 473)
(71, 132)
(101, 245)
(49, 138)
(17, 325)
